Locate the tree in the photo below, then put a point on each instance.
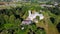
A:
(2, 21)
(12, 19)
(6, 18)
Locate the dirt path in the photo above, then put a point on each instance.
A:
(47, 25)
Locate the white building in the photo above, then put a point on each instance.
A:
(55, 3)
(46, 5)
(33, 16)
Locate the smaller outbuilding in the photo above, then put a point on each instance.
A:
(27, 22)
